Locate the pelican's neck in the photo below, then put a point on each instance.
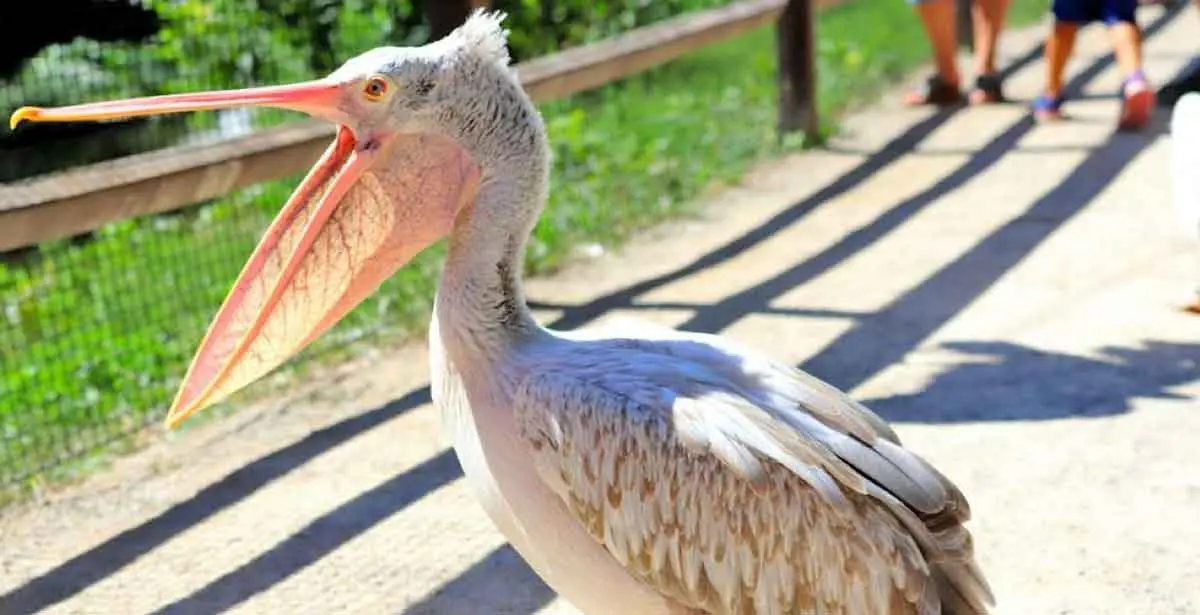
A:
(480, 294)
(480, 306)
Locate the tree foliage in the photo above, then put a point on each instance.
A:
(237, 43)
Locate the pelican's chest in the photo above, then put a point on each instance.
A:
(483, 435)
(449, 391)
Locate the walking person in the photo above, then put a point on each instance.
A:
(944, 86)
(1119, 16)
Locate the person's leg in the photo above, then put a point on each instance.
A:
(1068, 15)
(1127, 46)
(937, 18)
(988, 22)
(1138, 97)
(1059, 46)
(987, 18)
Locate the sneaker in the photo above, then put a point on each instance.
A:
(1137, 104)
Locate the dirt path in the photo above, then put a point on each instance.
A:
(1004, 293)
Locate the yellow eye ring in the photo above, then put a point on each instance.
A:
(375, 88)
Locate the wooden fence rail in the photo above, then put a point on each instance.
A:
(77, 201)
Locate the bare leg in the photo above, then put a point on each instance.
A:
(941, 88)
(1127, 46)
(1138, 98)
(937, 17)
(988, 17)
(1059, 46)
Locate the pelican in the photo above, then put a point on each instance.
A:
(1185, 160)
(638, 470)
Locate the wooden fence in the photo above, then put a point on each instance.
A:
(73, 202)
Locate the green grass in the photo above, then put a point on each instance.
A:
(1025, 12)
(97, 335)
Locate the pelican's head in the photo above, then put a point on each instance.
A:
(412, 132)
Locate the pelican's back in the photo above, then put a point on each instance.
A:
(817, 505)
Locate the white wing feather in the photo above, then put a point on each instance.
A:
(736, 485)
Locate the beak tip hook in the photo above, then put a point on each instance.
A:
(22, 114)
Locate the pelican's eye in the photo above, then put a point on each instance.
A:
(375, 88)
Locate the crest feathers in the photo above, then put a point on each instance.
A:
(484, 36)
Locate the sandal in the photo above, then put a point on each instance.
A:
(1047, 109)
(1137, 102)
(988, 90)
(935, 91)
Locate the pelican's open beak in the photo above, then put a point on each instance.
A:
(319, 98)
(341, 233)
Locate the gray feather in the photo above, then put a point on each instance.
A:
(902, 475)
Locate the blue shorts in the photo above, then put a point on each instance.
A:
(1086, 11)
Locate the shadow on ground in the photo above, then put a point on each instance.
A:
(501, 573)
(875, 341)
(1001, 381)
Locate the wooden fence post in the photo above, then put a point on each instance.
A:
(796, 45)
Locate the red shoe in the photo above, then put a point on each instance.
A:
(1138, 103)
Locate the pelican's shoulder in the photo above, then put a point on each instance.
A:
(764, 379)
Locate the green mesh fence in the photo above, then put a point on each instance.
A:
(83, 50)
(96, 331)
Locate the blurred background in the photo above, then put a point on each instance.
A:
(96, 329)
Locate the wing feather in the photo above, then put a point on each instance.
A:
(736, 485)
(690, 523)
(860, 438)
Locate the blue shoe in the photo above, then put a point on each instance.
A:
(1047, 109)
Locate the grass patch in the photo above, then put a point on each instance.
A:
(96, 335)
